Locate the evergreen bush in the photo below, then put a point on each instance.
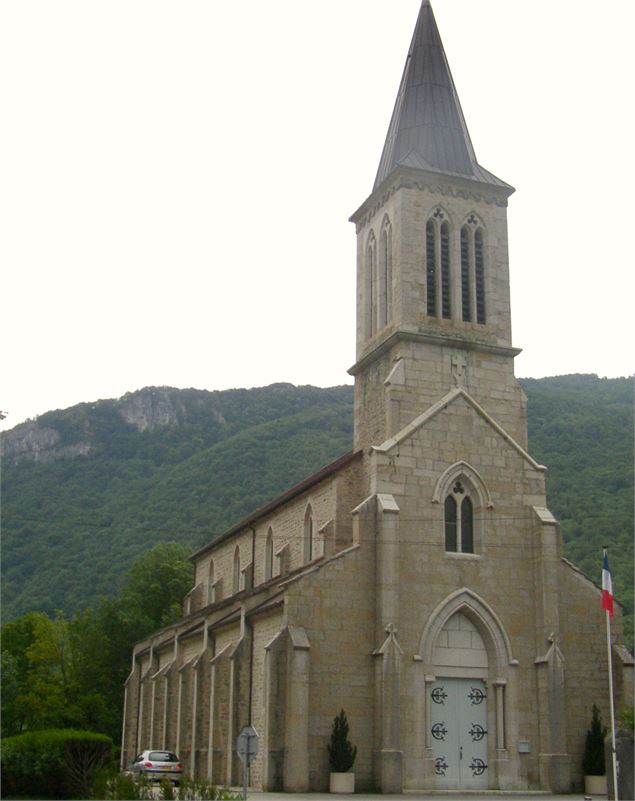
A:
(593, 763)
(341, 752)
(54, 763)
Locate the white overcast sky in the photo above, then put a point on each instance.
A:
(177, 177)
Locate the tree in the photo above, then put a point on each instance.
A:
(341, 752)
(156, 584)
(59, 673)
(593, 762)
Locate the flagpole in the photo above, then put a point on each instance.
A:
(612, 704)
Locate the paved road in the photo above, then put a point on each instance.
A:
(494, 795)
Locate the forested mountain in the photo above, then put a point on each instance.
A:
(87, 489)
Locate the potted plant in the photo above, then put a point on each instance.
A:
(341, 757)
(593, 762)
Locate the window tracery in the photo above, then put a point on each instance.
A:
(459, 520)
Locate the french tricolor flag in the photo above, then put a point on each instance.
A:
(607, 586)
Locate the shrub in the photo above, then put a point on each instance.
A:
(114, 786)
(341, 752)
(593, 760)
(55, 763)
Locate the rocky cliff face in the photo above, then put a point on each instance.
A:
(39, 443)
(70, 432)
(151, 408)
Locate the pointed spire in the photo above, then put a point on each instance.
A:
(427, 130)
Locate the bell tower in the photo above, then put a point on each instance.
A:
(433, 303)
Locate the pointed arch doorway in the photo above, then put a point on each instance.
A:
(458, 707)
(465, 654)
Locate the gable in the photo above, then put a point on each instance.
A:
(452, 397)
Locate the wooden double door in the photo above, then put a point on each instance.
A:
(458, 712)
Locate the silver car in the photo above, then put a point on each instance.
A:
(157, 765)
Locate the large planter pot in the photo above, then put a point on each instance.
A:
(342, 783)
(595, 785)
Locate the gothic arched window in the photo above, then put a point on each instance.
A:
(479, 275)
(308, 534)
(459, 520)
(431, 268)
(269, 555)
(438, 278)
(446, 307)
(465, 275)
(473, 272)
(385, 274)
(371, 286)
(236, 571)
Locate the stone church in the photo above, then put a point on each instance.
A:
(418, 582)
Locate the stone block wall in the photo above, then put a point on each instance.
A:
(585, 649)
(335, 606)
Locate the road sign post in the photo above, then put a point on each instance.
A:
(247, 748)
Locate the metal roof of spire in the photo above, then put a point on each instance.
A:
(427, 129)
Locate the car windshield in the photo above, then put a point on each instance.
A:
(162, 756)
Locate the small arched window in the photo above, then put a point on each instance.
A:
(269, 556)
(210, 583)
(308, 534)
(459, 520)
(236, 572)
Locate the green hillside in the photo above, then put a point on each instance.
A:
(88, 489)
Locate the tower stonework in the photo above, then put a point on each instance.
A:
(418, 581)
(424, 321)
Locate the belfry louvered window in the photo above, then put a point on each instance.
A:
(438, 278)
(472, 273)
(465, 274)
(479, 274)
(385, 274)
(431, 268)
(445, 271)
(371, 286)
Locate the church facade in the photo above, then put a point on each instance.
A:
(418, 582)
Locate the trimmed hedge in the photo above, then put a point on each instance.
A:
(55, 763)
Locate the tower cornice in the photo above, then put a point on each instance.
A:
(443, 340)
(444, 184)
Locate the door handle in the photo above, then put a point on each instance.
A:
(460, 752)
